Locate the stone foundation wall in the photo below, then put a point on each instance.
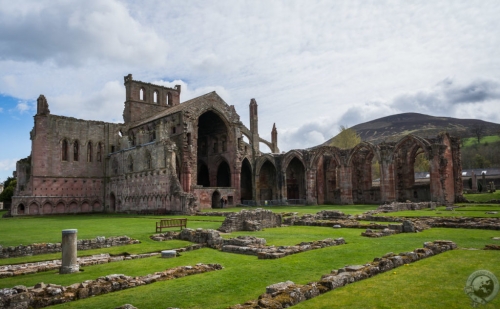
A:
(250, 220)
(286, 294)
(83, 244)
(393, 207)
(245, 244)
(44, 295)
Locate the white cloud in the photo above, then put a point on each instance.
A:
(7, 165)
(105, 104)
(187, 93)
(23, 107)
(77, 33)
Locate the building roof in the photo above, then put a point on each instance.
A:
(172, 110)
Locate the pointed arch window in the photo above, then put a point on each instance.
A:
(99, 152)
(155, 96)
(132, 138)
(89, 152)
(64, 150)
(142, 94)
(169, 99)
(76, 149)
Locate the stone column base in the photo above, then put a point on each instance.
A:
(69, 269)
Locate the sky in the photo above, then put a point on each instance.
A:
(310, 65)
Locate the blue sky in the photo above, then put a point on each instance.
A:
(311, 65)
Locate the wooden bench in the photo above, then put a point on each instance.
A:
(168, 223)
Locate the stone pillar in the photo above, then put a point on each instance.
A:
(474, 183)
(311, 191)
(69, 260)
(346, 185)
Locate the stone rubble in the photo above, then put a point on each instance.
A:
(82, 244)
(44, 295)
(249, 245)
(286, 294)
(250, 220)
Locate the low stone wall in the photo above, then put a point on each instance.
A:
(82, 244)
(286, 294)
(43, 295)
(250, 220)
(395, 206)
(32, 268)
(213, 213)
(408, 226)
(421, 222)
(273, 252)
(244, 244)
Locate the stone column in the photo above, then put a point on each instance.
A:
(69, 261)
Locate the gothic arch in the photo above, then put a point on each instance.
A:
(360, 147)
(263, 159)
(47, 207)
(289, 156)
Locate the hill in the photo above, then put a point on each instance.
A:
(392, 128)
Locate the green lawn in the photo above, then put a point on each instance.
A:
(246, 277)
(483, 197)
(471, 141)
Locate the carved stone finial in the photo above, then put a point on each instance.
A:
(42, 107)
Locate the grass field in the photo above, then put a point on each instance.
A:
(430, 283)
(471, 141)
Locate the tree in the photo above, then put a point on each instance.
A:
(8, 190)
(421, 163)
(478, 130)
(481, 162)
(347, 138)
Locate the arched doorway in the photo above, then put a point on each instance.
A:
(246, 181)
(212, 144)
(203, 178)
(20, 209)
(223, 175)
(216, 200)
(267, 181)
(295, 184)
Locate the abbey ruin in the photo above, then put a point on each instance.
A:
(172, 157)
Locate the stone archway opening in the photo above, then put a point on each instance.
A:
(412, 172)
(295, 181)
(362, 164)
(216, 199)
(20, 209)
(246, 187)
(203, 178)
(267, 181)
(223, 175)
(212, 144)
(327, 180)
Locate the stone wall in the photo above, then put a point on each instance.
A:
(286, 294)
(250, 220)
(249, 245)
(82, 244)
(44, 295)
(32, 268)
(394, 206)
